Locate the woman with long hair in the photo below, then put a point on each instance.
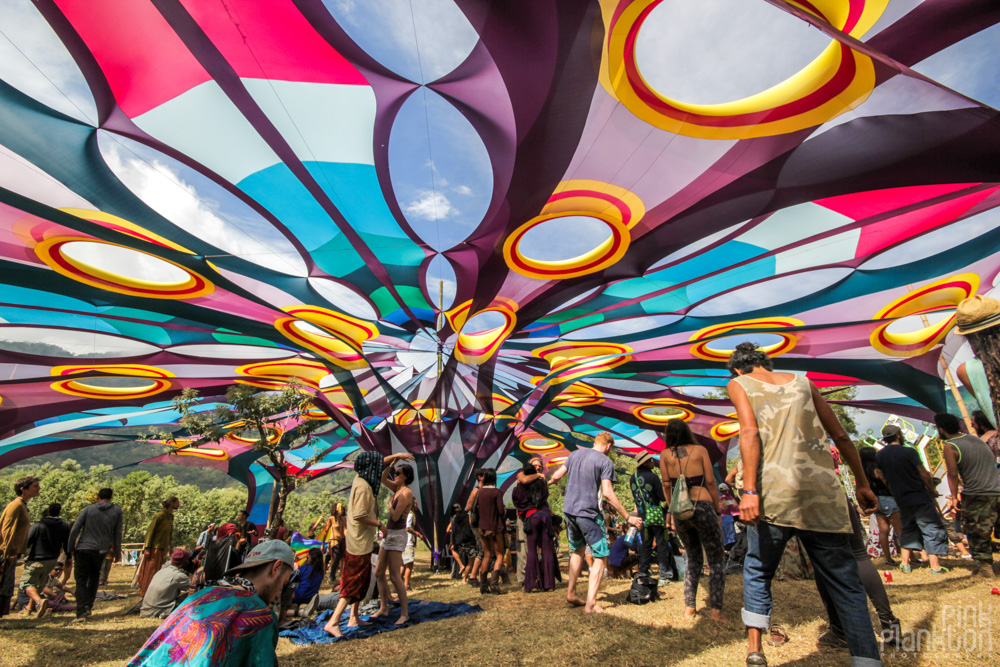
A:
(492, 527)
(684, 457)
(887, 514)
(390, 557)
(985, 431)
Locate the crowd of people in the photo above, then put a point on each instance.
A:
(784, 496)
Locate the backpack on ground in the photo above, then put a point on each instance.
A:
(644, 589)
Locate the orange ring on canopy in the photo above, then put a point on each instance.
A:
(838, 80)
(480, 346)
(616, 207)
(50, 251)
(571, 361)
(703, 349)
(657, 403)
(939, 295)
(84, 390)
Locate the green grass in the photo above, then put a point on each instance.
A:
(540, 629)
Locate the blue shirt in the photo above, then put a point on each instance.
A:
(585, 469)
(309, 582)
(620, 549)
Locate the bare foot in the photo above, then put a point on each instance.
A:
(380, 613)
(575, 601)
(403, 620)
(594, 610)
(333, 628)
(356, 622)
(689, 612)
(719, 617)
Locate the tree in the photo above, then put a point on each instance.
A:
(270, 421)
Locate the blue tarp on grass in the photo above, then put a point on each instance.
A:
(420, 612)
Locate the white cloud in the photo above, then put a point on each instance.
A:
(161, 186)
(430, 205)
(33, 60)
(464, 190)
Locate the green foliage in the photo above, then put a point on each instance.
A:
(624, 467)
(253, 415)
(141, 493)
(844, 413)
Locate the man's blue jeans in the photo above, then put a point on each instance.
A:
(833, 562)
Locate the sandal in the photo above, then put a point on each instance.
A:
(756, 659)
(777, 636)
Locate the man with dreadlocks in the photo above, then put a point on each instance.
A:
(978, 319)
(359, 541)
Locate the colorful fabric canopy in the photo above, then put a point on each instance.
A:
(496, 243)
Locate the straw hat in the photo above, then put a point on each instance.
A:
(977, 313)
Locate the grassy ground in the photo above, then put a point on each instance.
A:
(540, 629)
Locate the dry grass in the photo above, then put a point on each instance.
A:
(540, 629)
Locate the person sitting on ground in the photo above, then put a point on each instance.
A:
(168, 587)
(228, 624)
(589, 472)
(969, 458)
(47, 539)
(623, 556)
(913, 489)
(55, 592)
(310, 579)
(390, 556)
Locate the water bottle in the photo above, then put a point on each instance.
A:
(630, 535)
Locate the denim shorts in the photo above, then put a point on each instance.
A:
(583, 531)
(923, 529)
(887, 506)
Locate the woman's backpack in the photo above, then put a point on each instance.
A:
(680, 501)
(644, 589)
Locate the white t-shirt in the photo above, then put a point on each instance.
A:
(411, 539)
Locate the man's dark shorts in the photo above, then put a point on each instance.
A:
(583, 531)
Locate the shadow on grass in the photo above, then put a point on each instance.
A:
(76, 644)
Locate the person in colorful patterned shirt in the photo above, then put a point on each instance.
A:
(229, 624)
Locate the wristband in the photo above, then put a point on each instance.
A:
(750, 493)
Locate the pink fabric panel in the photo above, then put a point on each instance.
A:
(862, 205)
(895, 230)
(272, 40)
(120, 34)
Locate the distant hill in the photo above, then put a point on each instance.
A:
(122, 453)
